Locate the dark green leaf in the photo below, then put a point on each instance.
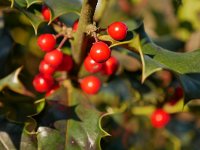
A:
(178, 62)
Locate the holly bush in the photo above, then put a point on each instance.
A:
(107, 74)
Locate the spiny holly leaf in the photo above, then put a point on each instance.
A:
(61, 7)
(159, 58)
(13, 83)
(185, 65)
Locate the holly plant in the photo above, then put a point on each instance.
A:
(88, 75)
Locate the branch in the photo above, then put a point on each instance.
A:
(80, 40)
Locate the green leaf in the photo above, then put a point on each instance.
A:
(179, 62)
(61, 7)
(185, 65)
(13, 83)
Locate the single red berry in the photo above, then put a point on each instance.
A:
(91, 65)
(42, 83)
(54, 58)
(90, 84)
(100, 52)
(159, 118)
(75, 25)
(52, 90)
(110, 66)
(66, 64)
(117, 30)
(46, 42)
(46, 13)
(45, 68)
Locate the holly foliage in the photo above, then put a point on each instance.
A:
(158, 68)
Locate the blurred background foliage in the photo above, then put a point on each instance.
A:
(172, 24)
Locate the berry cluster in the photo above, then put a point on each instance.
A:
(54, 60)
(100, 59)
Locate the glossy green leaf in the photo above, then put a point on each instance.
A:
(179, 62)
(13, 83)
(185, 65)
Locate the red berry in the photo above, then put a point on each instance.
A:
(54, 58)
(159, 118)
(100, 52)
(46, 42)
(90, 84)
(66, 64)
(110, 66)
(52, 90)
(46, 13)
(75, 25)
(42, 83)
(45, 68)
(92, 66)
(117, 30)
